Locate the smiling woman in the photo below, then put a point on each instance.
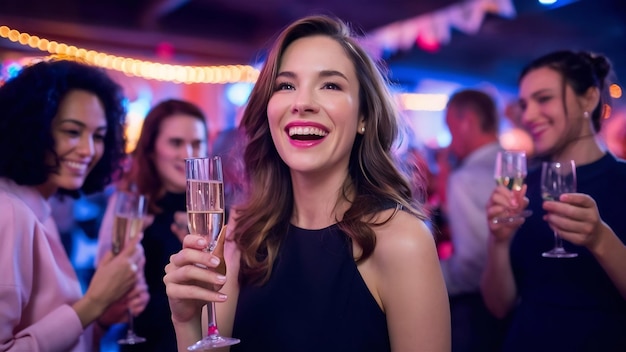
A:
(78, 130)
(577, 303)
(60, 131)
(328, 252)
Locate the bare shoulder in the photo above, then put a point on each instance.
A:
(405, 278)
(404, 234)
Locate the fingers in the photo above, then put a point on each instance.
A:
(578, 199)
(147, 221)
(180, 218)
(576, 206)
(106, 258)
(575, 217)
(195, 242)
(179, 231)
(503, 198)
(190, 273)
(138, 298)
(193, 292)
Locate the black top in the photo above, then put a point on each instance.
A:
(569, 304)
(159, 243)
(315, 300)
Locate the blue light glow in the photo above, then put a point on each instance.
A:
(238, 93)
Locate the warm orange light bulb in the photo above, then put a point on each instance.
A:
(615, 91)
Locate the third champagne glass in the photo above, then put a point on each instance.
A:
(557, 178)
(510, 172)
(130, 208)
(205, 210)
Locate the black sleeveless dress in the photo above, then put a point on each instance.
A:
(315, 300)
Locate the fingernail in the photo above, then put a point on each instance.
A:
(214, 261)
(222, 297)
(202, 242)
(221, 277)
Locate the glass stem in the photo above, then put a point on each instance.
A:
(212, 326)
(558, 242)
(131, 323)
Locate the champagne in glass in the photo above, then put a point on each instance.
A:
(125, 227)
(510, 172)
(556, 179)
(130, 208)
(205, 212)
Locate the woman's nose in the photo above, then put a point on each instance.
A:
(304, 102)
(86, 146)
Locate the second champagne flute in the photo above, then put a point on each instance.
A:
(130, 208)
(510, 172)
(205, 211)
(556, 179)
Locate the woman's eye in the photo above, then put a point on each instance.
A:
(543, 99)
(331, 86)
(99, 137)
(283, 86)
(72, 133)
(522, 106)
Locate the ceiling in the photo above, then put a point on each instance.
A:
(235, 31)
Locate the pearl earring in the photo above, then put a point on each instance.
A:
(586, 114)
(363, 129)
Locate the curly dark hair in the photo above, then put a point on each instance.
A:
(29, 102)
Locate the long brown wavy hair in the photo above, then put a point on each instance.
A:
(373, 179)
(142, 175)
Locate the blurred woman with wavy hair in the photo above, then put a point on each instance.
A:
(173, 130)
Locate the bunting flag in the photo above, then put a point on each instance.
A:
(431, 30)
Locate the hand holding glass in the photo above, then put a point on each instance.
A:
(130, 209)
(556, 179)
(510, 172)
(205, 211)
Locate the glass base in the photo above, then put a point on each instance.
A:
(131, 339)
(524, 214)
(558, 253)
(214, 341)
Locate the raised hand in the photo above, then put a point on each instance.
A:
(576, 218)
(190, 278)
(114, 278)
(502, 203)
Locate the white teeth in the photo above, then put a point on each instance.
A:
(75, 165)
(307, 131)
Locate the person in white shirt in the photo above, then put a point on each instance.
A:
(472, 119)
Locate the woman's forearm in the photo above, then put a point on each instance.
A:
(610, 252)
(497, 284)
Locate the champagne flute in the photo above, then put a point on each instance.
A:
(510, 172)
(556, 179)
(205, 211)
(130, 208)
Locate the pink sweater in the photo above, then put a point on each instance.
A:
(37, 282)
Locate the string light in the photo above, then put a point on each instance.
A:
(423, 102)
(138, 68)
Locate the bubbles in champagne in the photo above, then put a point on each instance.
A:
(205, 208)
(206, 223)
(124, 228)
(512, 183)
